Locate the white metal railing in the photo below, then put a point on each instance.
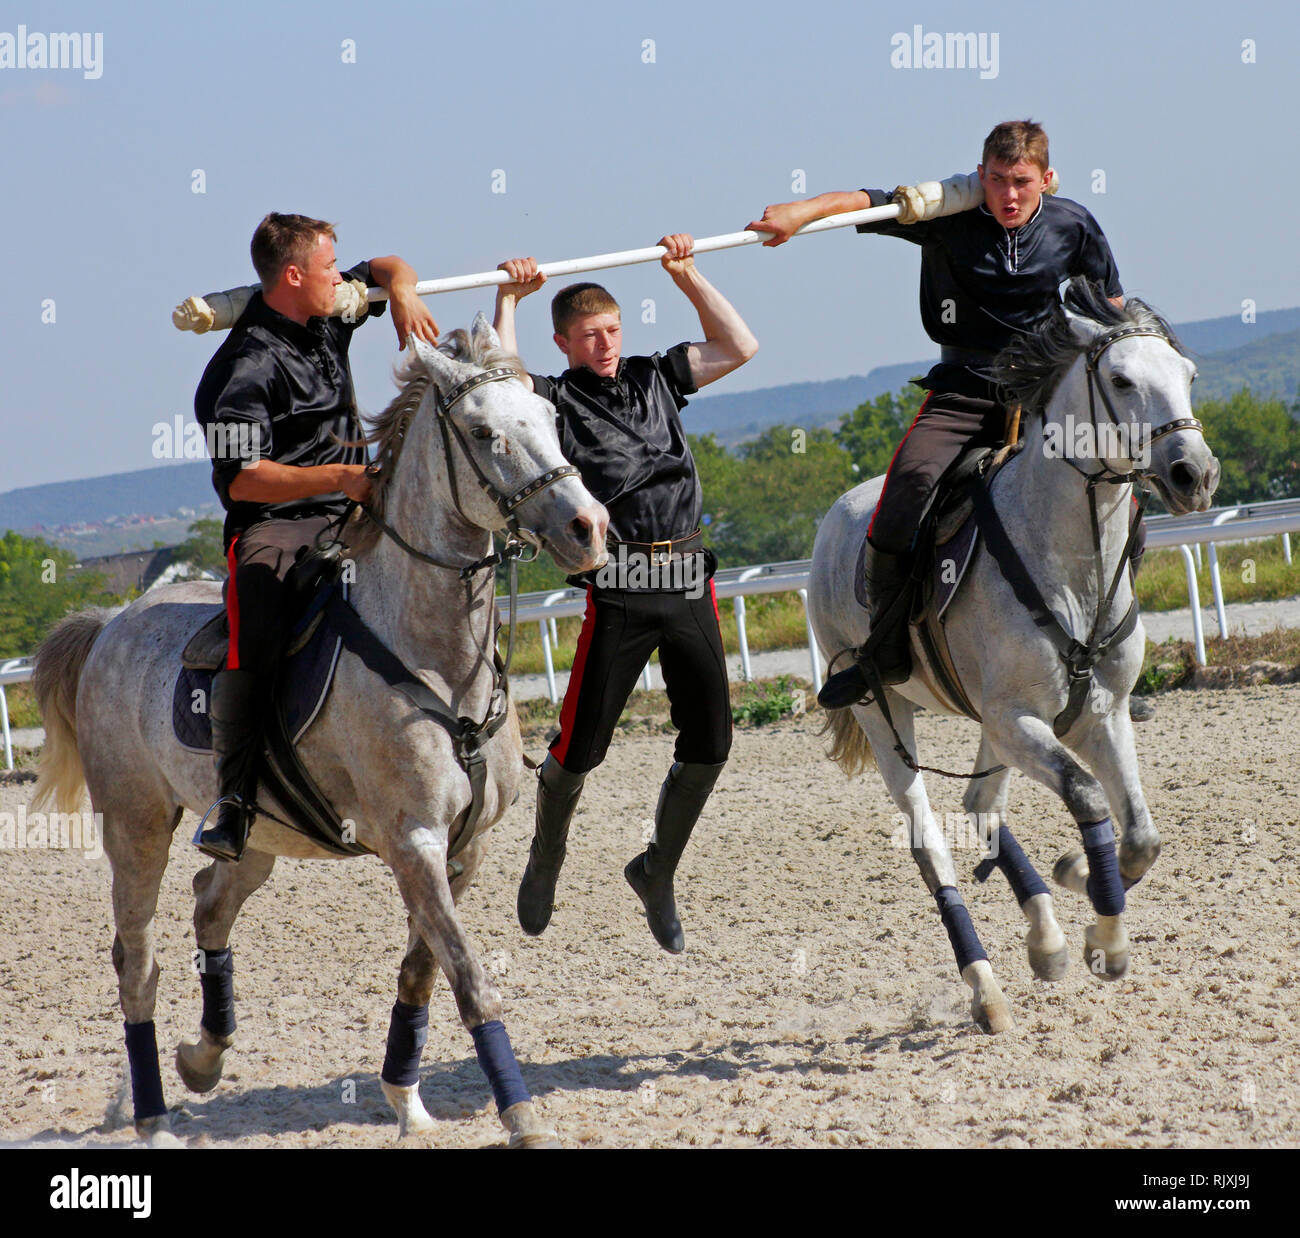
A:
(15, 670)
(1249, 521)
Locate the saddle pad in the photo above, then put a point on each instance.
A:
(950, 563)
(307, 674)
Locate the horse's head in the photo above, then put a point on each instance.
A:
(1114, 381)
(494, 446)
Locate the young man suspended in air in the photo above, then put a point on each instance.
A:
(618, 422)
(987, 274)
(278, 394)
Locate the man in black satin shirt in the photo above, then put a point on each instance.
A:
(280, 413)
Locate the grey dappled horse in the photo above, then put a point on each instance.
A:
(1120, 370)
(105, 687)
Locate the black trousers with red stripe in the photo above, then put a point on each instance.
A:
(619, 632)
(945, 427)
(257, 598)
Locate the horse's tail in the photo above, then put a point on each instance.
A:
(57, 672)
(850, 749)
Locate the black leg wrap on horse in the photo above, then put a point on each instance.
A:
(1014, 863)
(1105, 888)
(408, 1032)
(961, 932)
(146, 1079)
(497, 1060)
(217, 978)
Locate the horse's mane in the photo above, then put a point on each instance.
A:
(1028, 370)
(386, 431)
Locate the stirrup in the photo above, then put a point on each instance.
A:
(206, 848)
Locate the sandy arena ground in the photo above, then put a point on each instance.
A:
(817, 1002)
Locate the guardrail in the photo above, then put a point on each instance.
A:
(1249, 521)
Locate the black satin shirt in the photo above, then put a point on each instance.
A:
(982, 284)
(277, 390)
(625, 436)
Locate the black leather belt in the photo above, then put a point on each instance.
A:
(660, 552)
(951, 355)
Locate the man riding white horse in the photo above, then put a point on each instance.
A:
(987, 275)
(277, 401)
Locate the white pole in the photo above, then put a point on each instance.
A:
(630, 257)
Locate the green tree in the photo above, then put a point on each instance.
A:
(38, 586)
(203, 550)
(872, 431)
(1258, 445)
(766, 502)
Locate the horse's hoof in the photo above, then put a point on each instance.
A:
(1071, 872)
(992, 1017)
(412, 1117)
(195, 1062)
(157, 1132)
(537, 1139)
(1049, 964)
(526, 1127)
(1106, 965)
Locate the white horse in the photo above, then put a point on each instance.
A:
(105, 687)
(1078, 368)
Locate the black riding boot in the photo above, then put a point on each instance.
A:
(681, 800)
(235, 707)
(886, 577)
(557, 796)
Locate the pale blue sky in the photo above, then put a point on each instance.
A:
(601, 151)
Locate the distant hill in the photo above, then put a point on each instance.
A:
(1216, 335)
(160, 491)
(735, 418)
(1268, 365)
(127, 511)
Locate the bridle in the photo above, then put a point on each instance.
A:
(1096, 388)
(1081, 656)
(518, 539)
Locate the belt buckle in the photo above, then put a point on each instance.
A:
(655, 552)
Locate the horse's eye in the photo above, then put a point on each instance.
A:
(481, 432)
(1120, 382)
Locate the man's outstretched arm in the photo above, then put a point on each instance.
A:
(410, 314)
(784, 219)
(728, 342)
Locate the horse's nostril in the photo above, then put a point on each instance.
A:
(1185, 476)
(580, 530)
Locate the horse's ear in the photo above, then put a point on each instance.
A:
(482, 336)
(444, 370)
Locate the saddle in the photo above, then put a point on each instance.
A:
(946, 541)
(299, 692)
(946, 548)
